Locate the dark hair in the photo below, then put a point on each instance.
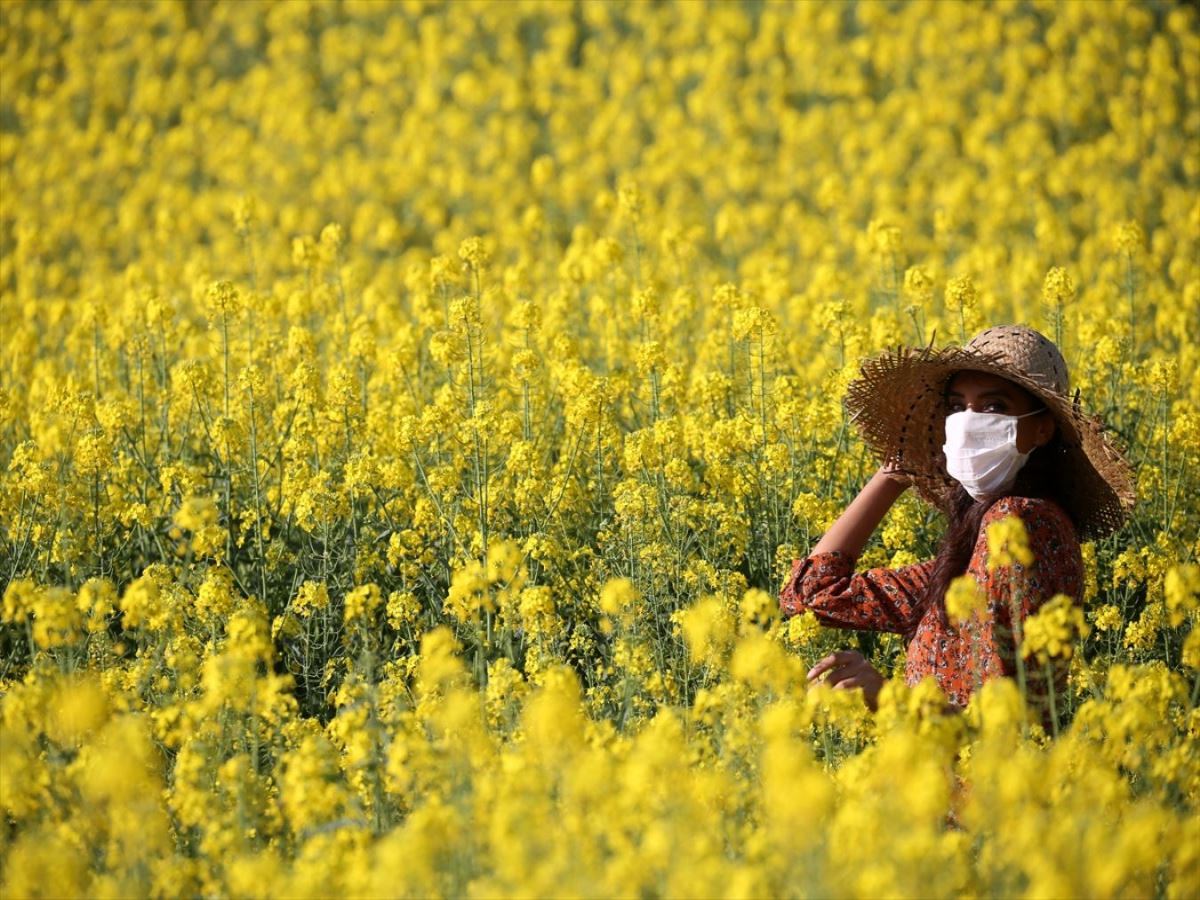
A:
(1042, 476)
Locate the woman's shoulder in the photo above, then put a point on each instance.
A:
(1037, 513)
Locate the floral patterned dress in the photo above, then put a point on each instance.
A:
(960, 659)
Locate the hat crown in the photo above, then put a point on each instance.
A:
(1027, 352)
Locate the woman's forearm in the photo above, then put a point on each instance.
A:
(854, 526)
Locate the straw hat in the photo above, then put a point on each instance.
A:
(897, 404)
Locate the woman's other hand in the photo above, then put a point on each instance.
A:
(849, 669)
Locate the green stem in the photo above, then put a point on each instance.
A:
(1053, 702)
(262, 572)
(1130, 292)
(96, 355)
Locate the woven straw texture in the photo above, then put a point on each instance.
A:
(897, 404)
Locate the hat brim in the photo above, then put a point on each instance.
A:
(897, 405)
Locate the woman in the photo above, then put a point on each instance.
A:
(983, 432)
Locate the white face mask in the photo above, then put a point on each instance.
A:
(981, 451)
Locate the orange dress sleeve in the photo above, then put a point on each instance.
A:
(880, 599)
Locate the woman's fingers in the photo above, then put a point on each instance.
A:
(833, 661)
(846, 676)
(822, 666)
(891, 468)
(868, 680)
(846, 670)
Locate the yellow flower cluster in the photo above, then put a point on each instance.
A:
(411, 410)
(964, 599)
(1051, 631)
(1008, 543)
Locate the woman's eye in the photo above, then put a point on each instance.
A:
(996, 406)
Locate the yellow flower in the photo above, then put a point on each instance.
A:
(244, 215)
(1191, 649)
(217, 597)
(761, 662)
(961, 294)
(1181, 589)
(1008, 543)
(223, 299)
(93, 455)
(1128, 238)
(312, 596)
(649, 357)
(964, 599)
(304, 251)
(19, 599)
(469, 593)
(362, 602)
(473, 253)
(618, 596)
(757, 607)
(1050, 632)
(332, 239)
(630, 198)
(97, 599)
(1107, 617)
(802, 630)
(1058, 289)
(439, 665)
(403, 609)
(709, 630)
(55, 617)
(885, 237)
(144, 602)
(200, 516)
(918, 285)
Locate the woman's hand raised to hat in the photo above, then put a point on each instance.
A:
(891, 470)
(858, 521)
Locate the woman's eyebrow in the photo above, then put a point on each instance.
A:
(1001, 393)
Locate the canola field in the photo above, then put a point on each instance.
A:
(410, 411)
